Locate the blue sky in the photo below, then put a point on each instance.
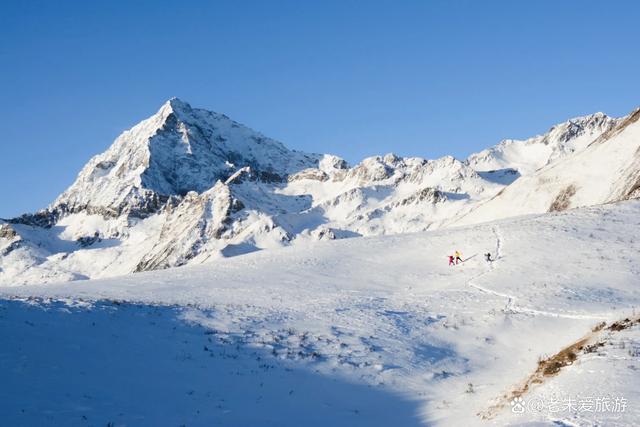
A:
(424, 78)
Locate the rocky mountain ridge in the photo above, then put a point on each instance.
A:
(188, 185)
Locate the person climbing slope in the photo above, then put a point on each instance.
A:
(458, 257)
(487, 257)
(451, 260)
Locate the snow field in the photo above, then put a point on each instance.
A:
(384, 318)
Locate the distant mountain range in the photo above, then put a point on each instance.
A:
(188, 185)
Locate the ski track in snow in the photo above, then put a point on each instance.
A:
(510, 306)
(496, 232)
(491, 265)
(377, 312)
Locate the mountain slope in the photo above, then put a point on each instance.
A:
(529, 155)
(177, 150)
(607, 170)
(188, 186)
(344, 329)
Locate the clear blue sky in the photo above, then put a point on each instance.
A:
(424, 78)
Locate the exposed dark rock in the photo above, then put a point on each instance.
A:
(44, 218)
(269, 177)
(12, 247)
(324, 233)
(89, 240)
(428, 194)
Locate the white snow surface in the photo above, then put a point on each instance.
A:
(607, 170)
(370, 331)
(534, 153)
(188, 186)
(177, 150)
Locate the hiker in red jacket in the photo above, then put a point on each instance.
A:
(451, 260)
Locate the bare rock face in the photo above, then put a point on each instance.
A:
(188, 228)
(45, 218)
(86, 241)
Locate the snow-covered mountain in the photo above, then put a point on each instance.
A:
(534, 153)
(606, 170)
(177, 150)
(187, 185)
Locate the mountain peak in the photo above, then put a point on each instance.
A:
(177, 150)
(587, 122)
(175, 105)
(527, 156)
(178, 103)
(187, 184)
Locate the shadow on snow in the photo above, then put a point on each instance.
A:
(141, 365)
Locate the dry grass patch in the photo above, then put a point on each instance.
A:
(553, 365)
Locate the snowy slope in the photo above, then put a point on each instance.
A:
(177, 150)
(607, 170)
(188, 186)
(343, 332)
(529, 155)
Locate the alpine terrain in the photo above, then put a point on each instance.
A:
(187, 185)
(310, 292)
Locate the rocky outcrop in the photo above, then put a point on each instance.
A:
(563, 199)
(7, 232)
(191, 226)
(428, 195)
(86, 241)
(311, 174)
